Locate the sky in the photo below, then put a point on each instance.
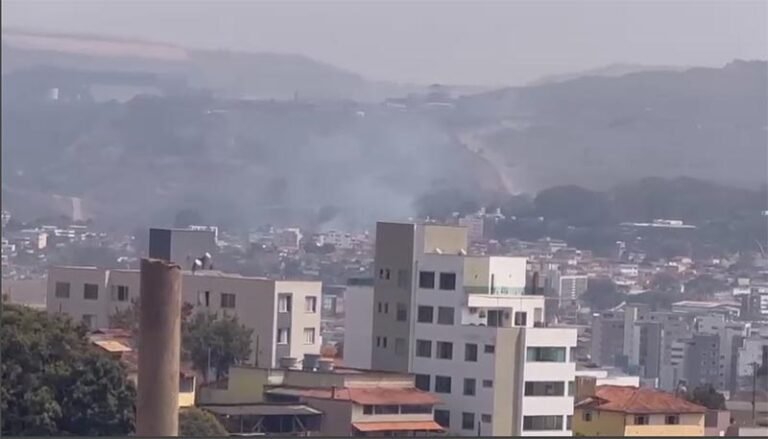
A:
(459, 42)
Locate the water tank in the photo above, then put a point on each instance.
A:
(325, 365)
(288, 363)
(310, 361)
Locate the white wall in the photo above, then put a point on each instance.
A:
(358, 326)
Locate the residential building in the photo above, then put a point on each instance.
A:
(635, 411)
(753, 351)
(182, 246)
(570, 287)
(475, 225)
(288, 239)
(465, 327)
(358, 328)
(284, 315)
(607, 343)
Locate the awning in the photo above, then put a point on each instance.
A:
(398, 426)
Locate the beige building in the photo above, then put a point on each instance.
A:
(284, 315)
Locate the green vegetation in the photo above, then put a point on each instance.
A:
(220, 340)
(194, 422)
(54, 382)
(602, 294)
(707, 396)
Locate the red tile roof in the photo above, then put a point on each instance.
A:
(636, 400)
(364, 395)
(398, 426)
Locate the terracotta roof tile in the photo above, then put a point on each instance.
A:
(398, 426)
(636, 400)
(364, 395)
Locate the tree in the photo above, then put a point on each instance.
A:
(707, 396)
(194, 422)
(221, 340)
(602, 294)
(128, 318)
(664, 282)
(55, 382)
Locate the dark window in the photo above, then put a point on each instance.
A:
(380, 307)
(415, 409)
(542, 423)
(641, 420)
(90, 292)
(546, 354)
(402, 313)
(443, 417)
(544, 388)
(672, 420)
(442, 384)
(489, 349)
(386, 409)
(386, 274)
(521, 318)
(423, 382)
(444, 350)
(424, 348)
(62, 290)
(427, 279)
(467, 421)
(367, 409)
(207, 298)
(448, 281)
(121, 293)
(445, 315)
(227, 300)
(486, 419)
(426, 314)
(470, 352)
(384, 342)
(568, 422)
(587, 417)
(488, 384)
(386, 307)
(469, 386)
(571, 387)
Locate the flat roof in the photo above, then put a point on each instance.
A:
(261, 409)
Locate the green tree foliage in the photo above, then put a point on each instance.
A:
(704, 286)
(194, 422)
(707, 396)
(602, 294)
(665, 283)
(54, 382)
(228, 342)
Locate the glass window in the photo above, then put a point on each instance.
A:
(542, 423)
(568, 422)
(442, 384)
(469, 386)
(90, 292)
(521, 318)
(641, 420)
(444, 350)
(671, 419)
(425, 314)
(424, 348)
(467, 421)
(427, 280)
(470, 352)
(587, 417)
(443, 417)
(544, 388)
(62, 290)
(571, 388)
(489, 349)
(309, 335)
(384, 342)
(227, 300)
(488, 384)
(445, 315)
(310, 304)
(284, 302)
(486, 418)
(422, 382)
(367, 409)
(386, 409)
(546, 354)
(401, 313)
(283, 336)
(448, 281)
(415, 409)
(120, 293)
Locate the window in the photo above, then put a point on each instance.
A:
(587, 417)
(486, 418)
(469, 386)
(641, 420)
(448, 281)
(378, 341)
(546, 354)
(386, 273)
(367, 409)
(488, 384)
(283, 336)
(467, 421)
(227, 300)
(400, 347)
(384, 342)
(542, 423)
(470, 352)
(386, 308)
(443, 417)
(568, 422)
(415, 409)
(284, 302)
(90, 292)
(427, 279)
(401, 313)
(444, 350)
(544, 388)
(120, 293)
(571, 388)
(207, 298)
(445, 315)
(403, 279)
(89, 320)
(521, 318)
(442, 384)
(62, 290)
(309, 335)
(386, 409)
(310, 304)
(671, 419)
(424, 348)
(426, 314)
(489, 349)
(422, 382)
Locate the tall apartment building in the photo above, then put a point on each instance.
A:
(182, 246)
(284, 315)
(607, 343)
(464, 326)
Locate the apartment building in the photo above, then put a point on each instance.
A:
(465, 327)
(607, 342)
(358, 299)
(284, 315)
(632, 411)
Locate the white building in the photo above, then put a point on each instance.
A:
(285, 315)
(358, 300)
(463, 325)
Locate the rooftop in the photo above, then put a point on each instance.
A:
(362, 395)
(637, 400)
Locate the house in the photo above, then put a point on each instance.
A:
(636, 411)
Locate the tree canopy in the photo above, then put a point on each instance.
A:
(602, 294)
(194, 422)
(707, 396)
(228, 340)
(54, 382)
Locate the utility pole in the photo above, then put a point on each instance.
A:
(159, 349)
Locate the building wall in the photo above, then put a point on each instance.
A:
(602, 423)
(607, 338)
(690, 425)
(245, 386)
(508, 378)
(187, 245)
(76, 306)
(337, 416)
(358, 326)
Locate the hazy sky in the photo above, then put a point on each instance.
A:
(494, 43)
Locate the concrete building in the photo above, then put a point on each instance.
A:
(182, 246)
(358, 325)
(754, 349)
(570, 287)
(465, 327)
(285, 315)
(607, 343)
(475, 225)
(632, 411)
